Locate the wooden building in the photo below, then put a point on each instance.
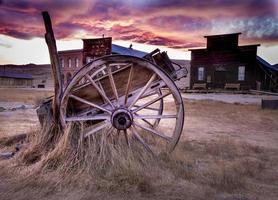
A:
(223, 64)
(12, 79)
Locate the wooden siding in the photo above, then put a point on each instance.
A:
(14, 82)
(221, 61)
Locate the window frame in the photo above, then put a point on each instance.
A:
(241, 73)
(62, 62)
(201, 73)
(70, 63)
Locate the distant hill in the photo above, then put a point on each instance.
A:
(40, 73)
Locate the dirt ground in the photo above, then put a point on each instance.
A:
(227, 151)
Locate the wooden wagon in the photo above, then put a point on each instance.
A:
(123, 93)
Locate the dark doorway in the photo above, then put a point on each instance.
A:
(219, 79)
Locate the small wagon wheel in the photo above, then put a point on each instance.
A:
(126, 93)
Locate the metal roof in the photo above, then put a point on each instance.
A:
(266, 64)
(116, 49)
(127, 51)
(8, 74)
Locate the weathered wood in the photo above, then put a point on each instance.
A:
(141, 140)
(56, 72)
(85, 102)
(153, 132)
(264, 92)
(154, 116)
(130, 76)
(232, 86)
(89, 92)
(199, 86)
(143, 90)
(151, 102)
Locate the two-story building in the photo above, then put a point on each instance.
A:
(223, 64)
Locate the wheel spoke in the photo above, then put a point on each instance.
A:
(154, 116)
(141, 140)
(153, 131)
(101, 92)
(89, 103)
(87, 118)
(148, 108)
(147, 122)
(152, 93)
(112, 82)
(150, 103)
(130, 76)
(98, 128)
(126, 138)
(109, 132)
(142, 90)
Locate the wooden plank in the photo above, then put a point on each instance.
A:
(56, 72)
(264, 92)
(88, 92)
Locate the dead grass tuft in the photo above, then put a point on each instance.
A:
(225, 177)
(228, 148)
(11, 140)
(231, 176)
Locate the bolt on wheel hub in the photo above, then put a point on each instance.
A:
(121, 119)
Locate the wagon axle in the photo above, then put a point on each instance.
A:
(121, 119)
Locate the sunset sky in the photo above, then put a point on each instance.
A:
(172, 25)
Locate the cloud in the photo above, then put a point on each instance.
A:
(172, 23)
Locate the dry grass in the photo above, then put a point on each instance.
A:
(31, 96)
(105, 164)
(66, 167)
(205, 169)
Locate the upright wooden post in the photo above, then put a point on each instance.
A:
(56, 72)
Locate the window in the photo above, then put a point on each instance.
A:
(76, 62)
(69, 62)
(241, 73)
(62, 62)
(201, 73)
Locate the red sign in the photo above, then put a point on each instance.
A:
(94, 48)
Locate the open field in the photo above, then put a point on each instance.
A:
(30, 96)
(227, 151)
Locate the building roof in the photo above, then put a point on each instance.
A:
(8, 74)
(239, 47)
(221, 35)
(266, 64)
(127, 51)
(117, 49)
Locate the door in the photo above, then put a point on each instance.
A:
(219, 79)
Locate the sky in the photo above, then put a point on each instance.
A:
(171, 25)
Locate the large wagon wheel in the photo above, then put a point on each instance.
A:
(125, 93)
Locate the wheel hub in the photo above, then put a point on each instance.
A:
(121, 119)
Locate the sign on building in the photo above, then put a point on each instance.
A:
(94, 48)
